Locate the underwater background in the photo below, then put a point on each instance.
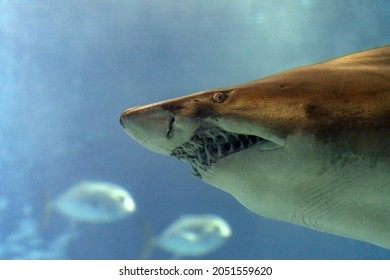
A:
(68, 70)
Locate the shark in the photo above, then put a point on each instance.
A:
(308, 146)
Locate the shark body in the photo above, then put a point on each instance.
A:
(310, 146)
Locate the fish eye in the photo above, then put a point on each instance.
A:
(219, 97)
(121, 198)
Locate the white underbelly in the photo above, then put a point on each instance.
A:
(304, 184)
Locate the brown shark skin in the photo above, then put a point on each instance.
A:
(356, 89)
(340, 109)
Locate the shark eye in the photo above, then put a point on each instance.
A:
(219, 97)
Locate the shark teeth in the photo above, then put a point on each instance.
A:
(209, 145)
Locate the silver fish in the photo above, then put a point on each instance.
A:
(95, 202)
(194, 235)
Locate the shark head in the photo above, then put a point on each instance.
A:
(204, 128)
(307, 146)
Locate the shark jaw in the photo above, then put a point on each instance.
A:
(208, 146)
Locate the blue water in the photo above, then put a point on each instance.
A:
(69, 68)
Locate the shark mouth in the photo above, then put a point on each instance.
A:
(210, 145)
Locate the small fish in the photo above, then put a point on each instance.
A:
(95, 202)
(194, 235)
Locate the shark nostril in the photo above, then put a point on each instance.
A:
(170, 127)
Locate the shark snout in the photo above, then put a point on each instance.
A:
(158, 129)
(127, 115)
(149, 127)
